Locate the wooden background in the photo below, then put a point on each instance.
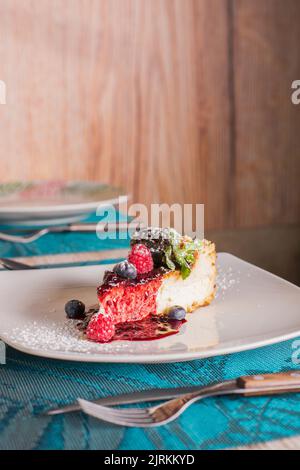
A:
(176, 100)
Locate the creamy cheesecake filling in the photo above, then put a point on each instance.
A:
(191, 292)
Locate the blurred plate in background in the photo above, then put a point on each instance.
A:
(38, 202)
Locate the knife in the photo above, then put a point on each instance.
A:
(13, 265)
(133, 397)
(29, 262)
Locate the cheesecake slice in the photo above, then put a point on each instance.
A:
(180, 272)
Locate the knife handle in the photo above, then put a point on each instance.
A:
(270, 384)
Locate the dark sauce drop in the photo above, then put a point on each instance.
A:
(150, 328)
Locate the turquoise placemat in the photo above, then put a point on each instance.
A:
(30, 385)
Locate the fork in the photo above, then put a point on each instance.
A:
(267, 384)
(96, 227)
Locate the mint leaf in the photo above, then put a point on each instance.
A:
(183, 259)
(185, 272)
(168, 258)
(177, 252)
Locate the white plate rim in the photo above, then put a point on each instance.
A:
(71, 207)
(147, 359)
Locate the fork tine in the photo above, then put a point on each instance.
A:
(129, 415)
(104, 413)
(35, 235)
(143, 419)
(136, 412)
(127, 419)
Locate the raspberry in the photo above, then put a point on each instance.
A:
(141, 257)
(101, 328)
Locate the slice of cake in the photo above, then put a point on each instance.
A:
(164, 271)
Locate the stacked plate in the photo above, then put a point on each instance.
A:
(38, 203)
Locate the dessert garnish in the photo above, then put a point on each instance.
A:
(169, 249)
(140, 256)
(176, 313)
(125, 269)
(148, 295)
(101, 327)
(75, 309)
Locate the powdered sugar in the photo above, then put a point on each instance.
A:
(226, 279)
(52, 336)
(59, 336)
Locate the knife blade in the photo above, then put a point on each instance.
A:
(13, 265)
(142, 396)
(27, 262)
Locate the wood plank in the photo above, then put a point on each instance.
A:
(183, 145)
(68, 69)
(266, 61)
(178, 101)
(124, 91)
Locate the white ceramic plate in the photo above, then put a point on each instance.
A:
(253, 308)
(41, 201)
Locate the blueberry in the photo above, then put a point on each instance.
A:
(125, 269)
(176, 313)
(75, 309)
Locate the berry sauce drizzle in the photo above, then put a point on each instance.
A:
(149, 328)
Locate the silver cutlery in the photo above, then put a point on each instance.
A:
(30, 262)
(267, 384)
(13, 265)
(36, 234)
(131, 398)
